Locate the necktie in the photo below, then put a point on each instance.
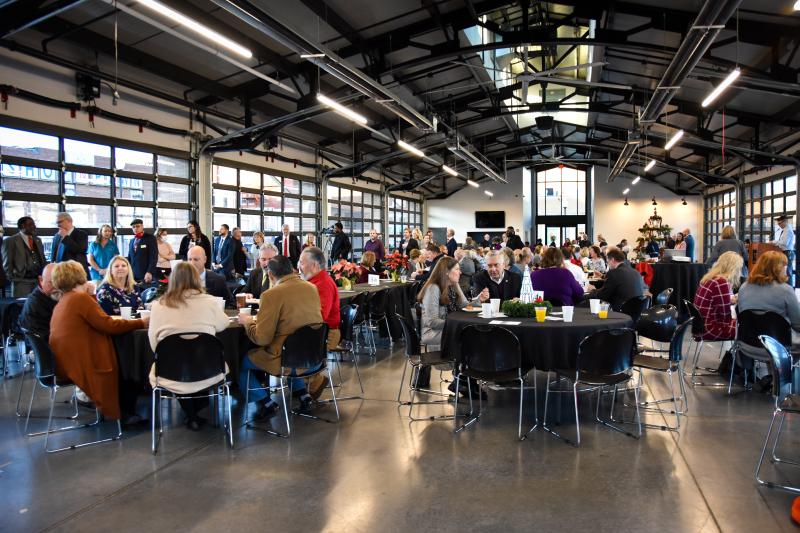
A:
(264, 281)
(30, 242)
(219, 250)
(286, 246)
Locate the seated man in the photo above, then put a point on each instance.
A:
(312, 268)
(258, 281)
(432, 256)
(496, 281)
(290, 304)
(38, 309)
(621, 284)
(214, 283)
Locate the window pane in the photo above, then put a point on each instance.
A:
(291, 186)
(291, 205)
(333, 210)
(89, 215)
(89, 154)
(357, 211)
(173, 218)
(272, 223)
(272, 203)
(791, 184)
(272, 184)
(250, 200)
(294, 223)
(134, 189)
(43, 214)
(345, 195)
(251, 222)
(791, 202)
(30, 145)
(356, 197)
(777, 187)
(333, 193)
(35, 180)
(87, 185)
(309, 207)
(171, 166)
(126, 213)
(224, 198)
(346, 210)
(173, 193)
(309, 189)
(230, 219)
(249, 179)
(133, 161)
(223, 175)
(777, 205)
(309, 225)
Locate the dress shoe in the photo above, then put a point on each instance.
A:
(306, 403)
(266, 410)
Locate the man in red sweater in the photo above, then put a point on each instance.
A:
(312, 268)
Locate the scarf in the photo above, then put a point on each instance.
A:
(452, 300)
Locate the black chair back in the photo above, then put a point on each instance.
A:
(676, 344)
(306, 347)
(781, 366)
(44, 359)
(377, 304)
(11, 318)
(658, 323)
(662, 298)
(418, 317)
(751, 324)
(149, 294)
(635, 306)
(489, 350)
(359, 300)
(698, 324)
(347, 314)
(410, 336)
(189, 357)
(607, 352)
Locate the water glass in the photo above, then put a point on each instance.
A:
(568, 311)
(126, 312)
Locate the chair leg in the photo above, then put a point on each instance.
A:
(772, 484)
(286, 407)
(333, 395)
(521, 403)
(230, 415)
(402, 382)
(577, 419)
(153, 442)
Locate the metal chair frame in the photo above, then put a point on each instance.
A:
(347, 346)
(743, 349)
(698, 327)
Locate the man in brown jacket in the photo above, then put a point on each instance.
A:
(288, 305)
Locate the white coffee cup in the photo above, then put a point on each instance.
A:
(495, 305)
(144, 313)
(594, 306)
(568, 311)
(125, 312)
(486, 310)
(246, 311)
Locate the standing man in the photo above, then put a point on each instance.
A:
(258, 281)
(451, 242)
(70, 243)
(784, 239)
(375, 245)
(288, 245)
(341, 244)
(514, 242)
(689, 244)
(487, 241)
(23, 258)
(223, 252)
(143, 253)
(313, 269)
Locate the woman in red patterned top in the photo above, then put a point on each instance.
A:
(714, 297)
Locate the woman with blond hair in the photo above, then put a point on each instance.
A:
(714, 297)
(728, 243)
(766, 289)
(118, 288)
(185, 308)
(258, 242)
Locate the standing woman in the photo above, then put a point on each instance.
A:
(310, 242)
(195, 237)
(680, 244)
(101, 251)
(165, 254)
(118, 288)
(258, 241)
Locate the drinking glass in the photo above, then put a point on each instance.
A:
(541, 313)
(603, 310)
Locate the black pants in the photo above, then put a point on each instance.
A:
(128, 394)
(192, 406)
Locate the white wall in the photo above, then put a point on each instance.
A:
(458, 211)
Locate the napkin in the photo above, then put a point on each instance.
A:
(505, 323)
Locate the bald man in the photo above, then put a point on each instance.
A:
(214, 283)
(39, 306)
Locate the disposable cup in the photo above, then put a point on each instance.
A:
(568, 311)
(594, 306)
(125, 312)
(495, 305)
(486, 310)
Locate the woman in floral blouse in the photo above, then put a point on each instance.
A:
(118, 288)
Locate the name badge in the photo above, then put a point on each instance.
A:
(142, 246)
(373, 279)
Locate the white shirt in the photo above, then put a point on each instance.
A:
(575, 270)
(784, 237)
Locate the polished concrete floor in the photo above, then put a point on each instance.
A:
(375, 470)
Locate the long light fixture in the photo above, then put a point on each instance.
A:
(476, 184)
(311, 56)
(488, 193)
(626, 191)
(449, 170)
(636, 180)
(722, 86)
(650, 165)
(342, 110)
(196, 27)
(675, 138)
(413, 149)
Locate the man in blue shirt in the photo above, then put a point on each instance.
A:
(689, 238)
(784, 239)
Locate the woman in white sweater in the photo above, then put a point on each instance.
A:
(185, 308)
(440, 295)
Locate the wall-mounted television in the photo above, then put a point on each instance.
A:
(490, 219)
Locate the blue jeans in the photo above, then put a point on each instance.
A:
(261, 395)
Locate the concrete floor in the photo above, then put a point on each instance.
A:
(376, 471)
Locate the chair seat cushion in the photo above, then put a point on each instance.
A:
(594, 379)
(432, 358)
(654, 363)
(791, 403)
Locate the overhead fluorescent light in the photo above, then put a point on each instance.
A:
(475, 183)
(722, 86)
(449, 170)
(636, 180)
(311, 56)
(626, 191)
(196, 27)
(675, 138)
(342, 110)
(488, 193)
(414, 150)
(650, 165)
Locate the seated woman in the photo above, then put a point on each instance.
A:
(597, 261)
(367, 267)
(80, 336)
(440, 295)
(186, 308)
(118, 288)
(766, 289)
(555, 280)
(714, 297)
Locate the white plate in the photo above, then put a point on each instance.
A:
(473, 310)
(251, 301)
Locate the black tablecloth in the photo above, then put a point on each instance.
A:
(545, 345)
(135, 356)
(397, 301)
(684, 278)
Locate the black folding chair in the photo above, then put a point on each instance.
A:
(377, 312)
(347, 314)
(149, 294)
(747, 347)
(662, 298)
(635, 306)
(361, 324)
(187, 358)
(12, 330)
(698, 329)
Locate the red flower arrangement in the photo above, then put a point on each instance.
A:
(396, 264)
(345, 270)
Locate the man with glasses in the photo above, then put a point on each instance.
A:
(496, 281)
(70, 243)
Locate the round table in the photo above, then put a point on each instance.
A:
(547, 345)
(397, 301)
(684, 278)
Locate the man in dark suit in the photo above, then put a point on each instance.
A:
(70, 243)
(622, 282)
(38, 309)
(496, 281)
(288, 245)
(514, 242)
(258, 281)
(143, 253)
(23, 258)
(223, 252)
(408, 243)
(432, 256)
(340, 249)
(214, 283)
(451, 242)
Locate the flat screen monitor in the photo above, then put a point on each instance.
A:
(490, 219)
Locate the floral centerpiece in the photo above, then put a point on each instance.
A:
(396, 265)
(161, 288)
(516, 308)
(345, 273)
